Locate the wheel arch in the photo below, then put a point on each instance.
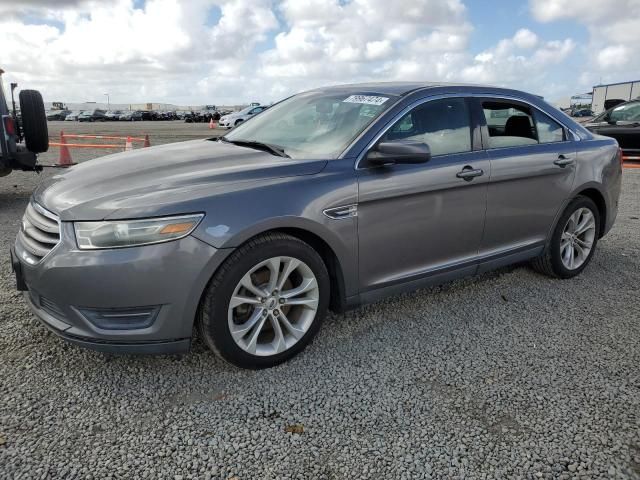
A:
(598, 198)
(337, 300)
(592, 191)
(310, 233)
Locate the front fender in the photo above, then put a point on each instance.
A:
(289, 203)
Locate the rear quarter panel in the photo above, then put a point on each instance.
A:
(599, 168)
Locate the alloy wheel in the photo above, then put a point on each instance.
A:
(273, 306)
(577, 238)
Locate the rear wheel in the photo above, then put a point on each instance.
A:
(34, 121)
(266, 302)
(573, 242)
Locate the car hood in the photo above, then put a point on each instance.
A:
(169, 179)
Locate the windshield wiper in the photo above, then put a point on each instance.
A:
(268, 147)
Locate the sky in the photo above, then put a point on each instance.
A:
(226, 52)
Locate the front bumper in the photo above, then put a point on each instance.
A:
(170, 275)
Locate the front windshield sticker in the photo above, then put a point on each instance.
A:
(366, 99)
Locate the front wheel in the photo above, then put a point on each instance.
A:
(266, 302)
(573, 242)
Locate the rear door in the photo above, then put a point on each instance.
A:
(532, 171)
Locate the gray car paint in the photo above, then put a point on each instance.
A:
(415, 225)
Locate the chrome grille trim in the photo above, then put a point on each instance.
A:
(39, 233)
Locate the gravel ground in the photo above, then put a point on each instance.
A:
(509, 375)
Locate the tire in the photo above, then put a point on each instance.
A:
(34, 121)
(551, 262)
(216, 316)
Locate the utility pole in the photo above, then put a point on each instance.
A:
(108, 103)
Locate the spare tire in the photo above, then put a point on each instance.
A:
(34, 121)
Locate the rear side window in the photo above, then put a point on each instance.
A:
(442, 124)
(513, 125)
(549, 130)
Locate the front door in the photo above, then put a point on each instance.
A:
(421, 219)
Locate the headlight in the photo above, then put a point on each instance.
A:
(129, 233)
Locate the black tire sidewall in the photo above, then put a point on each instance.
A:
(34, 121)
(556, 260)
(218, 327)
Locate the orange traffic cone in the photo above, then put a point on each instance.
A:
(65, 154)
(212, 124)
(128, 145)
(147, 143)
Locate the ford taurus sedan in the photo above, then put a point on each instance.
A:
(327, 200)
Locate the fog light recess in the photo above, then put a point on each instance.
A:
(121, 318)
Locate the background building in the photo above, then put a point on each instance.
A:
(614, 91)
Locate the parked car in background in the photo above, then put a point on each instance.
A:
(331, 198)
(234, 119)
(621, 122)
(58, 114)
(583, 112)
(73, 116)
(96, 115)
(612, 102)
(125, 116)
(113, 115)
(204, 116)
(22, 139)
(140, 115)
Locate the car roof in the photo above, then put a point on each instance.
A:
(406, 88)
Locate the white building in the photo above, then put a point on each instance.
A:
(614, 91)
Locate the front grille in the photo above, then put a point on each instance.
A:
(40, 232)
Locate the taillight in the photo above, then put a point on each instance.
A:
(9, 126)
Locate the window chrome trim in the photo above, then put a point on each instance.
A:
(417, 103)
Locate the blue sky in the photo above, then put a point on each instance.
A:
(226, 51)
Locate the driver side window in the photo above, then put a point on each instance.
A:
(443, 124)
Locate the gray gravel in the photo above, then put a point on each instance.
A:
(509, 375)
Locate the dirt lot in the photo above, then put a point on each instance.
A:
(159, 133)
(508, 375)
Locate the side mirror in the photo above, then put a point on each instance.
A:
(399, 151)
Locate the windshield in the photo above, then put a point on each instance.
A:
(629, 112)
(313, 125)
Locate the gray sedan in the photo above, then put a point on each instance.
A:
(327, 200)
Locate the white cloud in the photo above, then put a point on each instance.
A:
(515, 62)
(614, 33)
(261, 50)
(525, 38)
(614, 56)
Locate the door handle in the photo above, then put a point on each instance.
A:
(563, 161)
(468, 173)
